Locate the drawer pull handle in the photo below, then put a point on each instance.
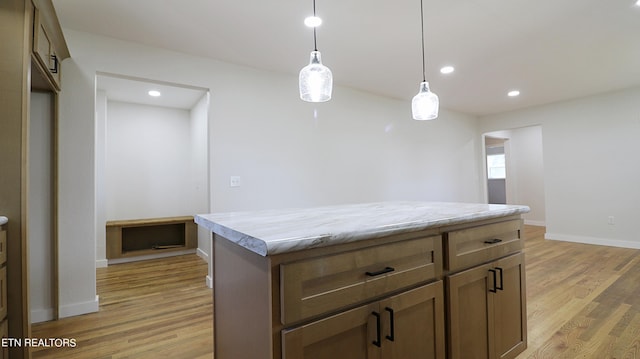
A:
(494, 290)
(380, 272)
(493, 241)
(501, 287)
(54, 70)
(391, 336)
(377, 342)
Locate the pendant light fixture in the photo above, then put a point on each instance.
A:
(425, 104)
(316, 80)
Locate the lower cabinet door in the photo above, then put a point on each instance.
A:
(409, 325)
(413, 324)
(488, 311)
(511, 308)
(348, 334)
(470, 314)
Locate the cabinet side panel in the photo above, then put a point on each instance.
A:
(242, 303)
(15, 37)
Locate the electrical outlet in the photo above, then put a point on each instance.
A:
(611, 220)
(234, 181)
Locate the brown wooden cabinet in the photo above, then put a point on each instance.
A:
(409, 325)
(4, 323)
(487, 310)
(49, 48)
(382, 298)
(413, 325)
(324, 284)
(510, 304)
(344, 335)
(22, 72)
(140, 237)
(331, 302)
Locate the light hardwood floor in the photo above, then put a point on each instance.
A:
(583, 302)
(152, 309)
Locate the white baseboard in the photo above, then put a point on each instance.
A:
(151, 256)
(592, 240)
(531, 222)
(102, 263)
(202, 254)
(71, 310)
(41, 315)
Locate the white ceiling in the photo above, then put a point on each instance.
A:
(551, 50)
(136, 90)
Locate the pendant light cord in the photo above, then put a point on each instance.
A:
(424, 72)
(315, 45)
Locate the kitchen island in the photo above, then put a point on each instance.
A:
(369, 281)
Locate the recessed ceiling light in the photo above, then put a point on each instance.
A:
(513, 93)
(154, 93)
(313, 21)
(449, 69)
(638, 3)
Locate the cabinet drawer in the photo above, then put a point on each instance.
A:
(3, 247)
(468, 247)
(320, 285)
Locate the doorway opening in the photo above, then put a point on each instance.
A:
(152, 159)
(496, 170)
(514, 170)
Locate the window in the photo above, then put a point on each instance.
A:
(496, 168)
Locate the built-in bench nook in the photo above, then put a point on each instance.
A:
(143, 237)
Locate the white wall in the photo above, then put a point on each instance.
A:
(357, 147)
(527, 167)
(199, 162)
(76, 192)
(148, 162)
(41, 279)
(591, 170)
(100, 185)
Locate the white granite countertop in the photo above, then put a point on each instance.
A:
(3, 220)
(272, 232)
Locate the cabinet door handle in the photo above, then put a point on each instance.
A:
(493, 241)
(377, 342)
(391, 335)
(501, 279)
(54, 70)
(380, 272)
(494, 290)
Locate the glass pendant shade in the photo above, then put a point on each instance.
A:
(316, 80)
(425, 104)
